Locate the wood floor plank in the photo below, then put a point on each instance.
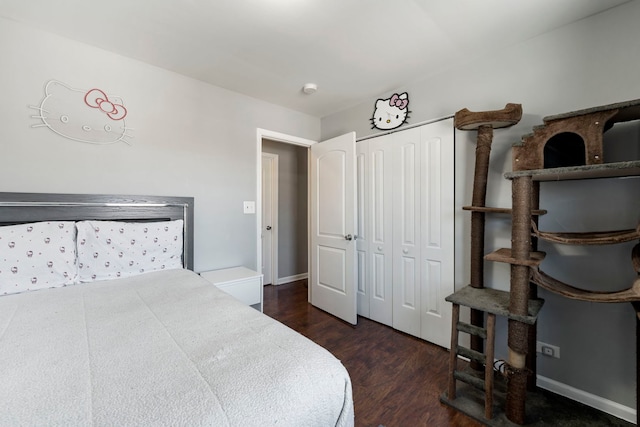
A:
(397, 379)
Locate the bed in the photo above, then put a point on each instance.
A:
(154, 347)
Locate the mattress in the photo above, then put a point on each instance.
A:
(162, 348)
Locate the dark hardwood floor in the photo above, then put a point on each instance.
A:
(397, 379)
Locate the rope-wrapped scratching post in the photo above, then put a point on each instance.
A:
(519, 299)
(484, 122)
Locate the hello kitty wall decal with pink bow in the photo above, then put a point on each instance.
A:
(96, 98)
(391, 113)
(91, 116)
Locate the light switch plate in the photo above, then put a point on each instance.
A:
(249, 207)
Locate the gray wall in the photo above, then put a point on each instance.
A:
(589, 63)
(292, 207)
(189, 138)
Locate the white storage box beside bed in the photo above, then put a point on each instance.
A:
(160, 347)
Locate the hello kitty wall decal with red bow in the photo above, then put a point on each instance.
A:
(391, 113)
(91, 116)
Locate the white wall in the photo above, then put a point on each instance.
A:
(592, 62)
(190, 138)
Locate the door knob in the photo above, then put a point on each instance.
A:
(348, 237)
(268, 227)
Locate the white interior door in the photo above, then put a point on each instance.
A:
(332, 176)
(269, 217)
(438, 212)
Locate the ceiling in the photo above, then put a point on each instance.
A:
(354, 50)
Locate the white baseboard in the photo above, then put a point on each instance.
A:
(605, 405)
(285, 280)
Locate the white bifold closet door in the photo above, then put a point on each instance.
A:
(406, 230)
(375, 245)
(362, 229)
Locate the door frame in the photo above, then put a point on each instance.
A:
(287, 139)
(274, 215)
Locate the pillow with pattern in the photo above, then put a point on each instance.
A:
(37, 255)
(113, 249)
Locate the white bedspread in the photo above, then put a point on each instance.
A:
(164, 348)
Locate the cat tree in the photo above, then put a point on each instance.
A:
(566, 147)
(479, 299)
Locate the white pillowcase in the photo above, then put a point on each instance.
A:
(37, 255)
(113, 249)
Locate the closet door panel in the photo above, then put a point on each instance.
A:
(406, 232)
(381, 242)
(437, 219)
(362, 217)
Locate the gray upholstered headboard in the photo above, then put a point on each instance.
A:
(18, 208)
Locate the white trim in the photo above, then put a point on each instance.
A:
(605, 405)
(294, 278)
(309, 220)
(281, 137)
(274, 136)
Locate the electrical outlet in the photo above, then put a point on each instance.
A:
(548, 349)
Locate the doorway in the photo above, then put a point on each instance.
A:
(287, 217)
